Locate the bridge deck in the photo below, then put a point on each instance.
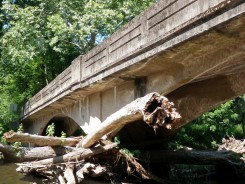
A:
(182, 41)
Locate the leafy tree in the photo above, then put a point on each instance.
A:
(208, 130)
(5, 116)
(40, 38)
(239, 107)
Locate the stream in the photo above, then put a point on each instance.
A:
(8, 175)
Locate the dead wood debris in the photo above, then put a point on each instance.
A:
(39, 140)
(73, 164)
(83, 160)
(157, 111)
(231, 144)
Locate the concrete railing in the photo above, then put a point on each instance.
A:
(160, 23)
(61, 83)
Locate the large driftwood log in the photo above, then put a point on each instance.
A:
(40, 140)
(192, 157)
(40, 153)
(68, 174)
(9, 153)
(153, 108)
(76, 155)
(90, 169)
(31, 154)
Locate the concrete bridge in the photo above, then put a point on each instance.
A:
(192, 51)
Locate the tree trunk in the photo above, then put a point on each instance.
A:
(9, 153)
(40, 140)
(192, 157)
(31, 154)
(76, 155)
(92, 40)
(153, 108)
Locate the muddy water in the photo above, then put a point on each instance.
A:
(8, 175)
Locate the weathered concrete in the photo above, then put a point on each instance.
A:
(172, 45)
(194, 99)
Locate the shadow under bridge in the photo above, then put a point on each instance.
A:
(63, 124)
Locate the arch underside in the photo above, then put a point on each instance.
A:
(64, 124)
(192, 100)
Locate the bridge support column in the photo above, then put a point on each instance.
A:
(140, 87)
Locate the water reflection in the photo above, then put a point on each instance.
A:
(8, 175)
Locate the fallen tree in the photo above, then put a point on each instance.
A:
(65, 164)
(74, 156)
(9, 153)
(39, 140)
(156, 110)
(192, 157)
(153, 109)
(23, 154)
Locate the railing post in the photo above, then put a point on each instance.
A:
(76, 70)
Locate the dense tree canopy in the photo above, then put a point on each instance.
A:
(40, 38)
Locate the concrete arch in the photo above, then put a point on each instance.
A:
(194, 99)
(62, 123)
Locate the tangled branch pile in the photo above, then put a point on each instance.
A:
(73, 160)
(69, 160)
(231, 144)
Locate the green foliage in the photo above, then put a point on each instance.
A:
(5, 115)
(3, 140)
(214, 145)
(208, 130)
(20, 129)
(243, 156)
(50, 131)
(3, 128)
(130, 153)
(17, 145)
(40, 38)
(63, 134)
(117, 140)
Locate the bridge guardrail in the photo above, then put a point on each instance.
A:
(55, 87)
(161, 22)
(153, 27)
